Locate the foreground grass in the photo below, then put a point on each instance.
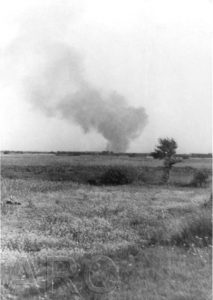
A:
(158, 237)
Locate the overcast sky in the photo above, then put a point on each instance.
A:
(156, 53)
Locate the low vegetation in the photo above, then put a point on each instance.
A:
(118, 176)
(94, 172)
(158, 236)
(196, 230)
(200, 178)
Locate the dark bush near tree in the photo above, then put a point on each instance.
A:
(117, 176)
(200, 178)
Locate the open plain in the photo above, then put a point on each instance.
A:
(158, 236)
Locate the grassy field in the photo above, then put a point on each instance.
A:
(90, 160)
(82, 169)
(159, 237)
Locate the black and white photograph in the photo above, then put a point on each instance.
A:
(106, 149)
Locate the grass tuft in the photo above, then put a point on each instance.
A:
(196, 230)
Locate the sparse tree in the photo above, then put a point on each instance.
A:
(166, 150)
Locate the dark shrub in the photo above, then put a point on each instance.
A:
(6, 152)
(200, 178)
(117, 176)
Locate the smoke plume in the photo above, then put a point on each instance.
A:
(59, 88)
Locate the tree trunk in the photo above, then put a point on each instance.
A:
(168, 162)
(166, 174)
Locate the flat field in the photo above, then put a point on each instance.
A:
(157, 238)
(83, 168)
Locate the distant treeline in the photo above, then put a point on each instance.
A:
(184, 156)
(73, 153)
(27, 152)
(78, 153)
(201, 155)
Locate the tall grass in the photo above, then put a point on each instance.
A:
(196, 230)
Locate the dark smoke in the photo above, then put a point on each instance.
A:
(58, 87)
